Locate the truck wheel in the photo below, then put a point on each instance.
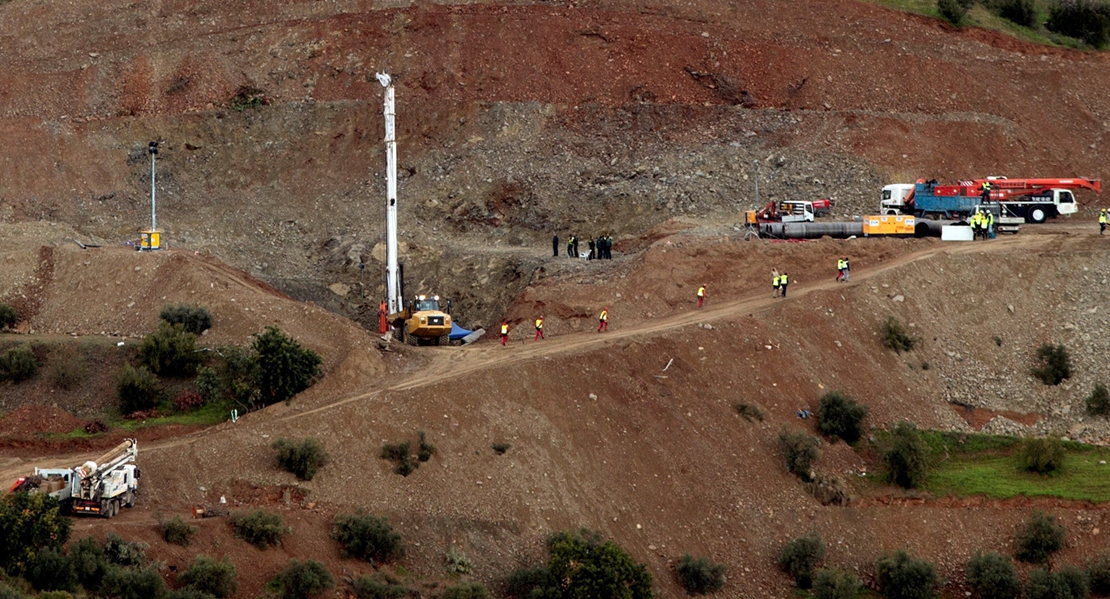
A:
(409, 337)
(444, 340)
(1036, 214)
(129, 501)
(105, 508)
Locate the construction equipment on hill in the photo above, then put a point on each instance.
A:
(787, 212)
(1018, 200)
(422, 321)
(98, 487)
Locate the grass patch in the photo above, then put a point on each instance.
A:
(1001, 475)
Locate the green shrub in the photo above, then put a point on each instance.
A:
(247, 98)
(1043, 456)
(259, 528)
(903, 577)
(138, 390)
(367, 537)
(19, 364)
(303, 459)
(217, 578)
(457, 562)
(133, 583)
(1099, 572)
(1040, 538)
(951, 11)
(1022, 12)
(700, 576)
(301, 580)
(1098, 402)
(29, 523)
(54, 595)
(209, 384)
(188, 593)
(828, 490)
(124, 553)
(835, 584)
(89, 562)
(894, 335)
(800, 451)
(401, 456)
(1086, 20)
(749, 412)
(535, 582)
(426, 449)
(800, 557)
(284, 369)
(1054, 364)
(194, 319)
(177, 531)
(992, 576)
(1069, 583)
(9, 592)
(170, 351)
(840, 416)
(467, 590)
(51, 570)
(372, 588)
(907, 457)
(587, 565)
(8, 316)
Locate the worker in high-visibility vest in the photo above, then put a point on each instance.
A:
(986, 191)
(539, 329)
(504, 332)
(784, 280)
(990, 225)
(839, 269)
(847, 269)
(775, 284)
(701, 295)
(1102, 221)
(603, 320)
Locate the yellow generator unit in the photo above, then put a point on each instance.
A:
(151, 240)
(900, 224)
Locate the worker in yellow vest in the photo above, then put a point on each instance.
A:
(603, 320)
(775, 283)
(539, 329)
(1102, 221)
(986, 191)
(504, 332)
(975, 219)
(783, 281)
(839, 269)
(701, 295)
(990, 225)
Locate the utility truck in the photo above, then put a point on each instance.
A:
(785, 212)
(1023, 200)
(97, 487)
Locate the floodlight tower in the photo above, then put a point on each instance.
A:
(152, 239)
(392, 278)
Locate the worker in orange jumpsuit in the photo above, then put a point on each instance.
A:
(539, 329)
(504, 332)
(383, 325)
(603, 320)
(701, 295)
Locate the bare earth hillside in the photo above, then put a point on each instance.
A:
(646, 120)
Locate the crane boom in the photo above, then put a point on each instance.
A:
(1009, 187)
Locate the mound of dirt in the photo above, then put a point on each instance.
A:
(28, 421)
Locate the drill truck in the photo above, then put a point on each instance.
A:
(422, 322)
(1028, 200)
(98, 487)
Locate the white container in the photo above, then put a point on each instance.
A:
(956, 233)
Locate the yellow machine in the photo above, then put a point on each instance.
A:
(888, 225)
(422, 322)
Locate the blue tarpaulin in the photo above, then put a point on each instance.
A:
(458, 332)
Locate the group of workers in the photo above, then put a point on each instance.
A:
(602, 325)
(982, 224)
(779, 282)
(600, 249)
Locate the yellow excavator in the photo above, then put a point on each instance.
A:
(422, 322)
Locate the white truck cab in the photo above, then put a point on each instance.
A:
(894, 198)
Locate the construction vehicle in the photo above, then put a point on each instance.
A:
(1019, 200)
(786, 212)
(98, 487)
(422, 322)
